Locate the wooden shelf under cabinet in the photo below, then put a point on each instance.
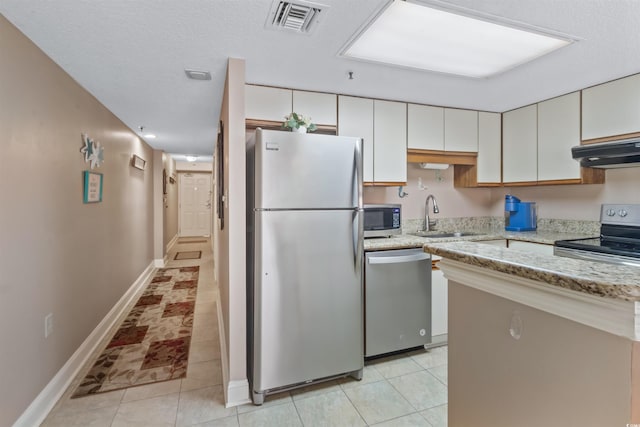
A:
(611, 138)
(466, 176)
(437, 156)
(272, 125)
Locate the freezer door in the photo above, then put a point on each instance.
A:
(307, 171)
(308, 316)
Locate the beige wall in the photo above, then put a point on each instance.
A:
(553, 201)
(57, 254)
(231, 240)
(558, 373)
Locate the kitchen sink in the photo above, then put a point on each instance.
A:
(437, 235)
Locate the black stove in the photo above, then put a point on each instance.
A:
(619, 241)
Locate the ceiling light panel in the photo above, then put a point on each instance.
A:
(424, 37)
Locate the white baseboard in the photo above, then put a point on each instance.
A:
(172, 242)
(236, 393)
(38, 410)
(159, 263)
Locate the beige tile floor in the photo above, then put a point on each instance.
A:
(407, 390)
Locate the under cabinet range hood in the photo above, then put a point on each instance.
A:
(618, 154)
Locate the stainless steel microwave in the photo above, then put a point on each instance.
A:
(382, 220)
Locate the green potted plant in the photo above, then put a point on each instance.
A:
(299, 123)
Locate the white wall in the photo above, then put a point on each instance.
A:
(231, 240)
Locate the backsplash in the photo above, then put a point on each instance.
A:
(488, 223)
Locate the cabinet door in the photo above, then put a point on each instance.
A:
(439, 310)
(489, 147)
(520, 145)
(460, 130)
(390, 141)
(558, 131)
(611, 108)
(425, 127)
(321, 107)
(355, 118)
(267, 103)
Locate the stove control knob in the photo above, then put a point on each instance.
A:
(611, 212)
(622, 213)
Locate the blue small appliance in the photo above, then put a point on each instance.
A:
(519, 216)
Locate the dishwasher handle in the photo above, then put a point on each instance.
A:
(420, 256)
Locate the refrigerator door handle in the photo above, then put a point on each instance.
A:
(359, 173)
(357, 236)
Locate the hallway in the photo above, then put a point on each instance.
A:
(182, 402)
(407, 390)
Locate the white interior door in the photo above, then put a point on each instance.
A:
(195, 204)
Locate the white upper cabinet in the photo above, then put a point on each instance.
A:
(558, 131)
(321, 107)
(425, 127)
(520, 145)
(489, 147)
(611, 108)
(460, 130)
(390, 141)
(355, 118)
(267, 103)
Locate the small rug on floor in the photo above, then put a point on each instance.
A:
(188, 255)
(191, 240)
(152, 343)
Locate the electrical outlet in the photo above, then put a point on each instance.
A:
(48, 325)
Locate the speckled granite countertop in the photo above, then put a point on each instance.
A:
(405, 241)
(606, 280)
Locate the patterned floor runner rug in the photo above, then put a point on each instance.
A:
(152, 343)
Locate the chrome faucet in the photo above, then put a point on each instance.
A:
(429, 224)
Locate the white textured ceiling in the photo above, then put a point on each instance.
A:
(131, 55)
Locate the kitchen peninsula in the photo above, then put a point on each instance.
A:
(538, 339)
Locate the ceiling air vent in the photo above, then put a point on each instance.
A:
(300, 17)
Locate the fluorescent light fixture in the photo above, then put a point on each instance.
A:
(149, 136)
(450, 41)
(192, 158)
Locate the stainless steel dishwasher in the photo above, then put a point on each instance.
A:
(397, 300)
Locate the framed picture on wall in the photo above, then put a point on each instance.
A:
(92, 187)
(138, 162)
(220, 183)
(164, 181)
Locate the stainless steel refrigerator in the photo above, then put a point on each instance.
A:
(304, 259)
